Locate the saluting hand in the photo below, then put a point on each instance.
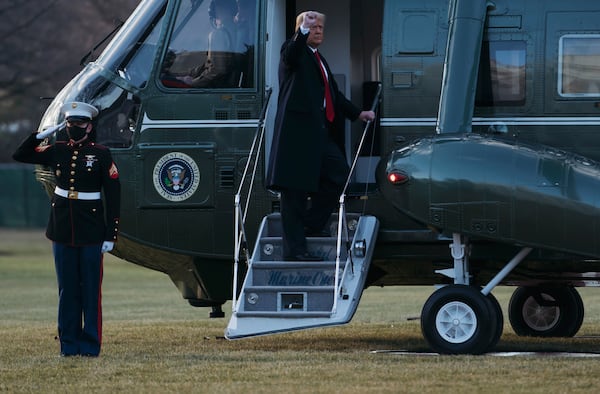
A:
(50, 130)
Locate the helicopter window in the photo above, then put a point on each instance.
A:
(579, 65)
(131, 53)
(416, 32)
(119, 116)
(501, 79)
(212, 46)
(137, 68)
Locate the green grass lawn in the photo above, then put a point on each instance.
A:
(155, 342)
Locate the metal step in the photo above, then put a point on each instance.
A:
(285, 299)
(286, 315)
(280, 296)
(288, 273)
(293, 264)
(272, 225)
(271, 248)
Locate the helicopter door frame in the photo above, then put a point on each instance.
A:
(276, 33)
(338, 46)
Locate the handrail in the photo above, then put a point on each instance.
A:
(241, 241)
(342, 210)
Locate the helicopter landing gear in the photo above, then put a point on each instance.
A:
(217, 309)
(546, 311)
(460, 318)
(217, 312)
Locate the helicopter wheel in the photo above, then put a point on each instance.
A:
(546, 311)
(458, 319)
(497, 310)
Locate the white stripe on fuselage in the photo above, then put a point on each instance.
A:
(196, 123)
(512, 121)
(385, 122)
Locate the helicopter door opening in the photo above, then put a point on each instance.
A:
(352, 46)
(366, 21)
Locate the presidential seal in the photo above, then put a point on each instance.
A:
(176, 176)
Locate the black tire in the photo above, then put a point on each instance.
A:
(546, 311)
(458, 319)
(497, 310)
(580, 311)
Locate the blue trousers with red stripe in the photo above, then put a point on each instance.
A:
(79, 273)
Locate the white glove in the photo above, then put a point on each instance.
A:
(107, 246)
(50, 130)
(310, 18)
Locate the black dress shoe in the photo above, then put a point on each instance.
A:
(303, 257)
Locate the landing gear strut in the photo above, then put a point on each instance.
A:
(460, 318)
(217, 312)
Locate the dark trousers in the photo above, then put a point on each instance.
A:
(298, 216)
(79, 273)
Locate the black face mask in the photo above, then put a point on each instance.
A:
(76, 133)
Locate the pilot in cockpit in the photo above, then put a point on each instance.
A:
(217, 71)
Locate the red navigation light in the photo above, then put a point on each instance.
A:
(397, 177)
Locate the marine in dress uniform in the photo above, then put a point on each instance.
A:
(82, 225)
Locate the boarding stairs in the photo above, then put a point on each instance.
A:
(279, 296)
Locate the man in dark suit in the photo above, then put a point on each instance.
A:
(81, 226)
(307, 156)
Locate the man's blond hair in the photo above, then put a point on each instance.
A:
(300, 18)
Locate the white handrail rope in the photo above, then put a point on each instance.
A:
(342, 213)
(253, 178)
(362, 139)
(236, 253)
(261, 123)
(239, 224)
(369, 166)
(338, 251)
(240, 215)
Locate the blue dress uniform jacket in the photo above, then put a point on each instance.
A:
(86, 167)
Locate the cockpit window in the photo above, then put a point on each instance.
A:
(212, 46)
(579, 65)
(131, 53)
(137, 69)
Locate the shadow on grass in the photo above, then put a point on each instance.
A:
(406, 337)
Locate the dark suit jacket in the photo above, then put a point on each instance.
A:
(301, 129)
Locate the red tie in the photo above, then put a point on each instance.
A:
(329, 110)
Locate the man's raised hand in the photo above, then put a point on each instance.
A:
(310, 18)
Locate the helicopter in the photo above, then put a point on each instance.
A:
(480, 170)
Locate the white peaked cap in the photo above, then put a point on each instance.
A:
(79, 109)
